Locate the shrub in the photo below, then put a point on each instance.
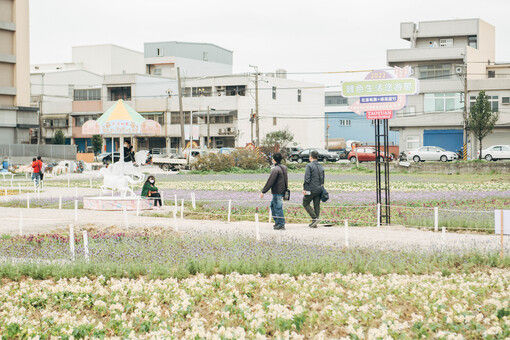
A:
(239, 159)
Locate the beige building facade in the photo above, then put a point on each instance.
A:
(18, 121)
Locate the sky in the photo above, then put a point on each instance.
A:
(296, 35)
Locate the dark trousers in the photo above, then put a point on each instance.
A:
(156, 200)
(316, 210)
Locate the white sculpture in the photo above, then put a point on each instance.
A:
(120, 176)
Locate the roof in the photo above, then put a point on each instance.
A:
(188, 43)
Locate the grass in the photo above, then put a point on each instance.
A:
(171, 255)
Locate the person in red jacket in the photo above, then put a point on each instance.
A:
(36, 171)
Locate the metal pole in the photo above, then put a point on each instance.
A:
(181, 112)
(386, 173)
(251, 125)
(465, 146)
(208, 127)
(501, 236)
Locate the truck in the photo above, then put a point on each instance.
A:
(170, 162)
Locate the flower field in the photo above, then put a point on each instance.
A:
(235, 306)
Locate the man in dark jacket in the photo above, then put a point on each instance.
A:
(312, 188)
(277, 182)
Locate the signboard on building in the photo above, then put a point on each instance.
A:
(380, 114)
(380, 87)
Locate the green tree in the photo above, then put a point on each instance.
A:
(277, 140)
(59, 137)
(481, 119)
(97, 143)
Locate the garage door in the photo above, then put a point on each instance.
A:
(450, 140)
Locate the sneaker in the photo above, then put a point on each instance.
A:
(279, 227)
(314, 224)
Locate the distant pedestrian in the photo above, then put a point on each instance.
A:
(313, 188)
(129, 155)
(43, 168)
(36, 171)
(278, 183)
(150, 190)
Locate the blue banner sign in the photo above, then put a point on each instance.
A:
(378, 99)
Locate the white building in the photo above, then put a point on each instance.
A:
(193, 59)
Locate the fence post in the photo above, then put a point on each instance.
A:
(90, 182)
(175, 200)
(20, 222)
(162, 196)
(28, 200)
(176, 225)
(19, 188)
(443, 234)
(5, 191)
(75, 210)
(86, 245)
(68, 181)
(60, 202)
(257, 227)
(75, 191)
(378, 214)
(138, 207)
(346, 232)
(71, 241)
(182, 209)
(501, 236)
(436, 219)
(229, 210)
(193, 203)
(124, 215)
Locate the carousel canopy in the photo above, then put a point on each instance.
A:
(121, 120)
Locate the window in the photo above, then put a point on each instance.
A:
(442, 71)
(274, 92)
(219, 143)
(55, 123)
(205, 91)
(87, 94)
(493, 100)
(505, 100)
(159, 52)
(204, 56)
(160, 118)
(335, 100)
(443, 102)
(407, 111)
(156, 71)
(235, 90)
(299, 95)
(491, 74)
(344, 122)
(186, 92)
(412, 142)
(175, 118)
(120, 92)
(274, 121)
(446, 42)
(80, 120)
(472, 41)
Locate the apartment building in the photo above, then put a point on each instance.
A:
(18, 121)
(193, 59)
(445, 55)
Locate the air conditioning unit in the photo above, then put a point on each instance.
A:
(459, 70)
(220, 131)
(505, 100)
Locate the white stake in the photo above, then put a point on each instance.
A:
(11, 180)
(257, 227)
(378, 214)
(175, 199)
(182, 209)
(28, 200)
(71, 241)
(19, 188)
(443, 234)
(90, 182)
(346, 232)
(60, 202)
(26, 175)
(270, 215)
(138, 207)
(68, 181)
(162, 199)
(5, 191)
(75, 210)
(193, 204)
(20, 222)
(229, 213)
(436, 219)
(76, 192)
(86, 244)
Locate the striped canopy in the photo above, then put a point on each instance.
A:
(121, 120)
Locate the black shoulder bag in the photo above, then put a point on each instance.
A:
(286, 194)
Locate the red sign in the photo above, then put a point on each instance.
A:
(380, 114)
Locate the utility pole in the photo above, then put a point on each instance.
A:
(251, 124)
(208, 127)
(257, 127)
(41, 98)
(181, 112)
(465, 144)
(327, 137)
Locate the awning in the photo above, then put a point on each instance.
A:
(55, 116)
(159, 113)
(85, 113)
(216, 113)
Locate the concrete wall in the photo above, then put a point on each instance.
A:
(22, 47)
(189, 50)
(189, 67)
(49, 151)
(108, 59)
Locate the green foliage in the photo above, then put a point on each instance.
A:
(97, 143)
(277, 140)
(482, 119)
(242, 159)
(59, 138)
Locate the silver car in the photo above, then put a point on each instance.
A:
(431, 153)
(496, 152)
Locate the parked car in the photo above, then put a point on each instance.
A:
(304, 155)
(431, 153)
(366, 154)
(106, 157)
(342, 153)
(496, 152)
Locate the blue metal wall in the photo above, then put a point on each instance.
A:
(361, 129)
(450, 140)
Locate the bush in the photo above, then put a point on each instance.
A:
(239, 159)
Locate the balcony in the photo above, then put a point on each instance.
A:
(405, 55)
(87, 106)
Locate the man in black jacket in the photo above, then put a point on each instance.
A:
(312, 188)
(277, 182)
